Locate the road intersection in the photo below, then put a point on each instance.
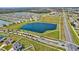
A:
(68, 45)
(68, 35)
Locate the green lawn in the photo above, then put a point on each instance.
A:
(8, 47)
(50, 19)
(24, 42)
(2, 34)
(27, 42)
(0, 43)
(38, 46)
(52, 34)
(61, 30)
(16, 26)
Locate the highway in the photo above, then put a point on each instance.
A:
(52, 42)
(68, 44)
(70, 47)
(47, 41)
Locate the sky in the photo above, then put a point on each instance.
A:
(39, 3)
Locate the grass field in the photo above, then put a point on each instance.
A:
(48, 19)
(27, 42)
(7, 47)
(62, 34)
(38, 46)
(60, 29)
(16, 26)
(0, 43)
(52, 34)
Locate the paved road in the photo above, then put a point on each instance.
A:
(41, 39)
(46, 40)
(69, 45)
(68, 36)
(66, 29)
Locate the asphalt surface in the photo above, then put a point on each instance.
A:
(45, 40)
(68, 36)
(68, 45)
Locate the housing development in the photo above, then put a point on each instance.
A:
(39, 29)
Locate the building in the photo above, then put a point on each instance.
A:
(8, 41)
(17, 46)
(75, 24)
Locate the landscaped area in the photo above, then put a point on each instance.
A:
(53, 33)
(48, 29)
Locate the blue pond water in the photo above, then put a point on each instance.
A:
(39, 27)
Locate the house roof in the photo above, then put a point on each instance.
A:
(17, 46)
(8, 41)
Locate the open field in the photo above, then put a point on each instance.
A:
(48, 19)
(54, 33)
(8, 47)
(29, 30)
(16, 26)
(37, 46)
